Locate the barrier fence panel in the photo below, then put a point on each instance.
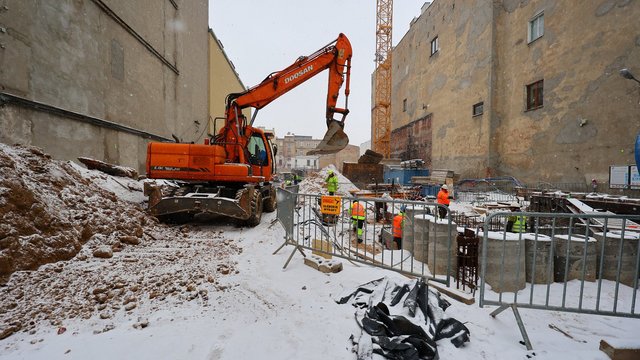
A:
(583, 263)
(335, 226)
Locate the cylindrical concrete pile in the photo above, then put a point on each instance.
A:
(618, 252)
(505, 261)
(573, 256)
(410, 227)
(539, 262)
(419, 247)
(441, 245)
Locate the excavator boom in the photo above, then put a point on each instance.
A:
(336, 58)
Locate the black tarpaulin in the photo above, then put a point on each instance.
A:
(398, 337)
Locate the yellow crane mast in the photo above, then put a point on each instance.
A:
(381, 116)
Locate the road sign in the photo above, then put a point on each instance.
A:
(330, 205)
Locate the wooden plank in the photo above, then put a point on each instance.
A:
(618, 353)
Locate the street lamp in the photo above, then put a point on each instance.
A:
(625, 73)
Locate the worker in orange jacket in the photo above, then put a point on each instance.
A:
(443, 199)
(398, 222)
(357, 217)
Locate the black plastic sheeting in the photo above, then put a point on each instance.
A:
(398, 337)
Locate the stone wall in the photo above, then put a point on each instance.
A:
(103, 60)
(590, 115)
(408, 141)
(446, 84)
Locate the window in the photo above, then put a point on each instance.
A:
(434, 45)
(536, 27)
(478, 108)
(535, 95)
(257, 151)
(404, 105)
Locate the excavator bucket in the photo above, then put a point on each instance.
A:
(334, 140)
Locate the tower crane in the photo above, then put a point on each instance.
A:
(381, 114)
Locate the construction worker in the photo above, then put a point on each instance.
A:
(511, 219)
(357, 218)
(443, 199)
(398, 222)
(520, 224)
(332, 183)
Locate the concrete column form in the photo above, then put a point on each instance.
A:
(574, 256)
(438, 250)
(539, 264)
(505, 261)
(617, 253)
(411, 228)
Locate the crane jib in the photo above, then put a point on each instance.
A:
(298, 74)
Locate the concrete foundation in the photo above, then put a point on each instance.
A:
(431, 243)
(574, 256)
(620, 253)
(505, 261)
(538, 260)
(410, 228)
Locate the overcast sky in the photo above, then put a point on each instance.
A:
(261, 37)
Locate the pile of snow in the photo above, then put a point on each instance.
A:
(314, 183)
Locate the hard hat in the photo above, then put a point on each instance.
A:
(403, 208)
(514, 205)
(445, 187)
(330, 171)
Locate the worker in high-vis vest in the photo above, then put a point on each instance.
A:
(332, 183)
(398, 222)
(520, 224)
(357, 218)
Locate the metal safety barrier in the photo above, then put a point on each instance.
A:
(581, 263)
(324, 224)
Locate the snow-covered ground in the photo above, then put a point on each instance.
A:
(262, 311)
(216, 291)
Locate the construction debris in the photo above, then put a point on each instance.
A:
(115, 170)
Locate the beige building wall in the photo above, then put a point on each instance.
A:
(94, 78)
(590, 114)
(447, 83)
(223, 80)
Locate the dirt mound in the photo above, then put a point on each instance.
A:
(49, 210)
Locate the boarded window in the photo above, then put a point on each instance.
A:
(478, 108)
(117, 60)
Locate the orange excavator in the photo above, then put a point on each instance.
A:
(231, 174)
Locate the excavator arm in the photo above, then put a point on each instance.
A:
(335, 57)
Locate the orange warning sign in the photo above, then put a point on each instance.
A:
(330, 205)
